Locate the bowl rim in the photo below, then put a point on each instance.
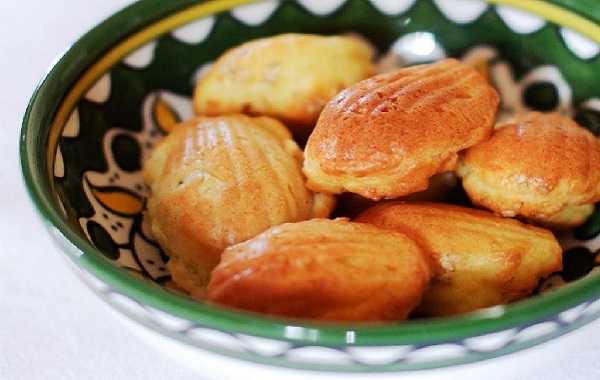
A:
(100, 41)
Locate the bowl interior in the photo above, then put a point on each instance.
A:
(114, 113)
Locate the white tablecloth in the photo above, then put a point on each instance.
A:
(52, 327)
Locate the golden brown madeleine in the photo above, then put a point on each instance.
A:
(386, 136)
(323, 269)
(218, 181)
(486, 260)
(289, 77)
(543, 167)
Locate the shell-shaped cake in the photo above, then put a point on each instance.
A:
(289, 77)
(485, 259)
(326, 270)
(386, 136)
(218, 181)
(543, 167)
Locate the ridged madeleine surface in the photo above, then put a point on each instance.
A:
(386, 136)
(543, 167)
(485, 260)
(323, 269)
(289, 77)
(218, 181)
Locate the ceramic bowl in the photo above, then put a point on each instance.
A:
(120, 88)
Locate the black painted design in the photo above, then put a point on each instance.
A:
(541, 96)
(589, 119)
(127, 153)
(102, 240)
(577, 262)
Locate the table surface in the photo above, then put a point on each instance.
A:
(52, 327)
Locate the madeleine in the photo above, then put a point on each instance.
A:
(386, 136)
(325, 270)
(218, 181)
(485, 260)
(543, 167)
(289, 77)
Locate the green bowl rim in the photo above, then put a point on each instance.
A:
(38, 116)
